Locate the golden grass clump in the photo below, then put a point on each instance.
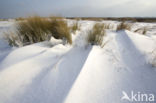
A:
(36, 29)
(96, 34)
(33, 30)
(75, 27)
(124, 26)
(108, 26)
(60, 29)
(13, 39)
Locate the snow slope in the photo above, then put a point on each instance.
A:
(40, 73)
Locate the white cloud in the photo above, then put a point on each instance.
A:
(79, 7)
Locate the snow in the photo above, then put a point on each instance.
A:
(51, 72)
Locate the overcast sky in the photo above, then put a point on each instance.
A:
(78, 8)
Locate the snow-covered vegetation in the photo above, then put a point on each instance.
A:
(74, 27)
(96, 34)
(124, 26)
(36, 29)
(52, 71)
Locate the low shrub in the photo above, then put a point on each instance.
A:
(96, 34)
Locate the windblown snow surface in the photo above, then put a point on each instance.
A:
(50, 72)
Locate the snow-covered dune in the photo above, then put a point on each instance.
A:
(79, 73)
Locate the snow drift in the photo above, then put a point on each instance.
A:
(59, 73)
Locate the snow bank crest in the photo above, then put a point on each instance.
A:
(137, 97)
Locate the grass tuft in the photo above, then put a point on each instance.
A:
(13, 39)
(123, 26)
(75, 27)
(96, 34)
(36, 29)
(141, 30)
(60, 29)
(108, 26)
(33, 30)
